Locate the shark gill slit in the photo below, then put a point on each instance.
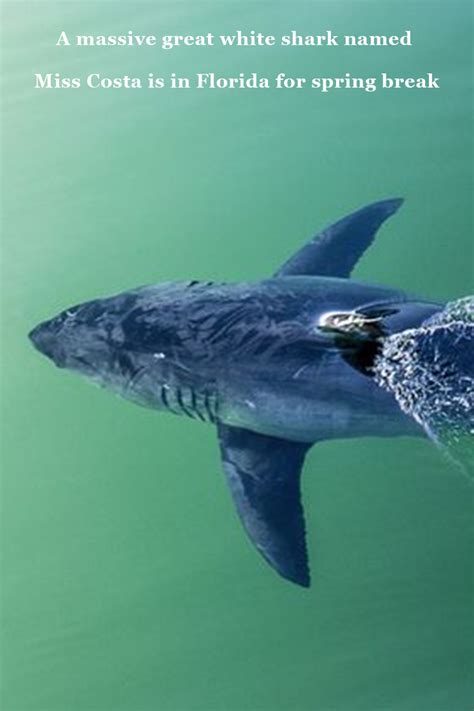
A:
(208, 407)
(179, 398)
(194, 405)
(164, 399)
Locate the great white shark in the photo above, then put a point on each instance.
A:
(276, 366)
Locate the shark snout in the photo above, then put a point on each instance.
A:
(45, 339)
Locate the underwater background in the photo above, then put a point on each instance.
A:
(127, 581)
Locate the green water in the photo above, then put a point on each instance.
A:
(127, 582)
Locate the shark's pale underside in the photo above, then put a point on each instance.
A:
(276, 366)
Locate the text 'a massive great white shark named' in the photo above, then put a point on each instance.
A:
(276, 366)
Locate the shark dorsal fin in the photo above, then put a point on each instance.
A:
(263, 474)
(336, 250)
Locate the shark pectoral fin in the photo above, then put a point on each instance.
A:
(264, 478)
(336, 250)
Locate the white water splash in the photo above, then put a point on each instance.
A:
(430, 370)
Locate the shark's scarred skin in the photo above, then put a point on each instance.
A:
(276, 366)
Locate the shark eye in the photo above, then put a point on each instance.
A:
(63, 317)
(67, 315)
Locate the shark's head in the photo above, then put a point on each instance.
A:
(121, 343)
(70, 342)
(86, 338)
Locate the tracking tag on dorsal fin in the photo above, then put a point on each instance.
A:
(336, 250)
(263, 474)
